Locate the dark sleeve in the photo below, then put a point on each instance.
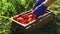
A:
(38, 2)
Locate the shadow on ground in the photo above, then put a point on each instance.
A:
(52, 27)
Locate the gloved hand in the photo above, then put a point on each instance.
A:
(39, 10)
(38, 2)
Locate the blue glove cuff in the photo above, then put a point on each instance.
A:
(40, 10)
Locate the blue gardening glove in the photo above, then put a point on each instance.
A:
(38, 2)
(39, 10)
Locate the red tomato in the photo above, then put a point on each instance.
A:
(30, 19)
(25, 22)
(20, 19)
(25, 16)
(32, 16)
(15, 17)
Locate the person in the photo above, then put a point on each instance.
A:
(41, 6)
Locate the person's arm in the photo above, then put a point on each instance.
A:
(42, 8)
(37, 3)
(48, 2)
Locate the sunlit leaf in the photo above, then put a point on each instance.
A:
(0, 22)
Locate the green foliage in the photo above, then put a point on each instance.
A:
(9, 8)
(15, 6)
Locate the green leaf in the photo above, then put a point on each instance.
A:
(0, 22)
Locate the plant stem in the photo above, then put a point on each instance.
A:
(5, 17)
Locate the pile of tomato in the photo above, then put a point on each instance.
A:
(25, 18)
